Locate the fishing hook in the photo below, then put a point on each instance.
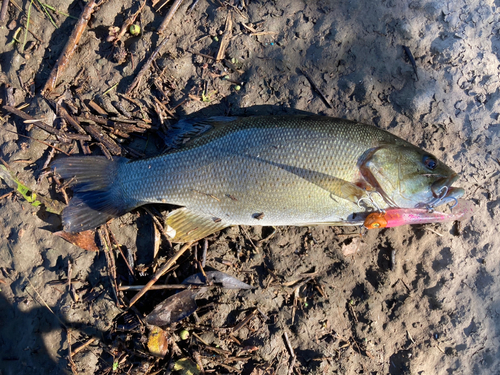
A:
(455, 203)
(441, 195)
(370, 200)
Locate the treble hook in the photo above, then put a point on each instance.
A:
(441, 195)
(370, 200)
(454, 204)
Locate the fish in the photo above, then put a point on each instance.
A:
(296, 170)
(395, 217)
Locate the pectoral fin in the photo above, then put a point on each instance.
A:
(184, 225)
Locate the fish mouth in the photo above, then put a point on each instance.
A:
(443, 191)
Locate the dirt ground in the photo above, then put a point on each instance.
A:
(436, 310)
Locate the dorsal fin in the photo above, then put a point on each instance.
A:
(186, 130)
(184, 225)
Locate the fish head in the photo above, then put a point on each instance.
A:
(409, 177)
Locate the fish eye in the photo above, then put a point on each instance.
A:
(429, 162)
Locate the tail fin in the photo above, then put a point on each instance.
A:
(97, 197)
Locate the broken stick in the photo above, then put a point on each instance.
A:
(160, 273)
(3, 12)
(69, 48)
(137, 80)
(228, 34)
(169, 16)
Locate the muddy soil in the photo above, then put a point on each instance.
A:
(409, 300)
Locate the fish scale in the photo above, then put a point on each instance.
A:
(267, 170)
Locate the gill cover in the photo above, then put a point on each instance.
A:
(405, 175)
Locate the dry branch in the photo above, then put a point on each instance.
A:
(49, 129)
(3, 12)
(228, 34)
(160, 273)
(169, 16)
(137, 80)
(69, 48)
(70, 120)
(316, 88)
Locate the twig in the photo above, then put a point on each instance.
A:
(311, 81)
(3, 12)
(160, 273)
(137, 80)
(70, 355)
(292, 354)
(102, 137)
(201, 54)
(409, 336)
(258, 33)
(159, 226)
(69, 48)
(40, 124)
(74, 296)
(289, 346)
(412, 61)
(228, 33)
(129, 21)
(6, 195)
(247, 236)
(64, 114)
(84, 345)
(351, 309)
(120, 250)
(34, 139)
(190, 9)
(433, 231)
(110, 260)
(62, 188)
(393, 259)
(96, 107)
(156, 287)
(169, 16)
(47, 306)
(245, 321)
(34, 35)
(197, 358)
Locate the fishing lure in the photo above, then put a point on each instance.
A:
(395, 217)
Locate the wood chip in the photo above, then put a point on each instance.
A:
(228, 33)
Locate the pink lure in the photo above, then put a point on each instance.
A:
(395, 217)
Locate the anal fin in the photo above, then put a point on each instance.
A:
(184, 225)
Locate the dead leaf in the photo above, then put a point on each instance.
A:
(158, 342)
(84, 240)
(186, 366)
(173, 309)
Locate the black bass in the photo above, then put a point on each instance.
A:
(266, 170)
